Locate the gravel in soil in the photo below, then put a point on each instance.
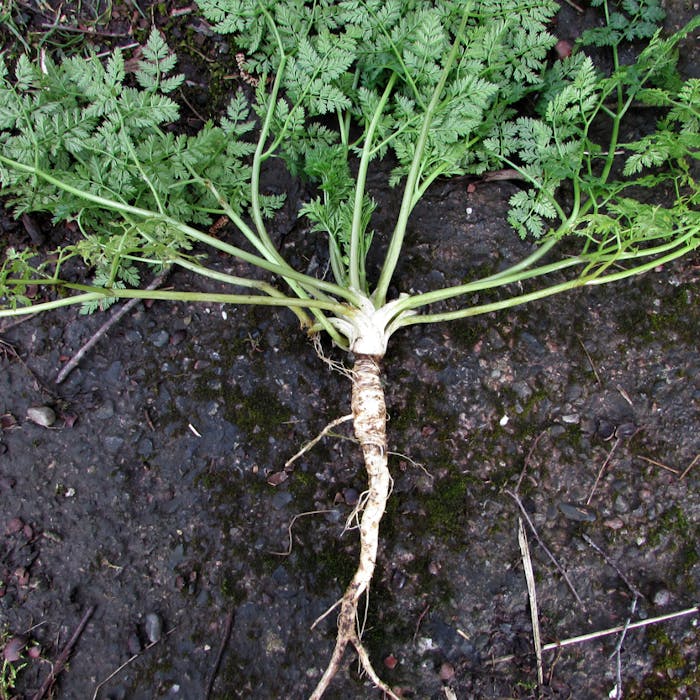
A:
(141, 486)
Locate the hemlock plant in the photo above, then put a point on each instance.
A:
(415, 90)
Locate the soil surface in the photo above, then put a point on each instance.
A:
(150, 498)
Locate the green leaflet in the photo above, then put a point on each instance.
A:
(432, 88)
(84, 121)
(340, 58)
(628, 21)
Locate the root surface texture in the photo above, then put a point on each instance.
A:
(369, 422)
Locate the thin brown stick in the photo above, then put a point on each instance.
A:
(15, 322)
(532, 595)
(660, 464)
(102, 330)
(624, 395)
(576, 7)
(611, 563)
(601, 470)
(590, 361)
(545, 549)
(526, 464)
(689, 467)
(63, 656)
(228, 626)
(420, 621)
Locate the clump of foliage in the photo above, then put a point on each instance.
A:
(419, 90)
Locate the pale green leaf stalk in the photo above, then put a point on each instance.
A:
(409, 91)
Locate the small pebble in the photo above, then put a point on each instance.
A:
(447, 671)
(281, 499)
(104, 411)
(113, 443)
(160, 339)
(14, 648)
(621, 505)
(578, 513)
(153, 627)
(662, 597)
(614, 523)
(15, 525)
(41, 415)
(563, 48)
(626, 430)
(178, 336)
(605, 429)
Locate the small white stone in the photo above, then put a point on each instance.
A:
(41, 415)
(504, 421)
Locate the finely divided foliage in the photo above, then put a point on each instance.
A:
(419, 90)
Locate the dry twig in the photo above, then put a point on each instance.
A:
(530, 452)
(590, 361)
(62, 659)
(611, 563)
(660, 464)
(696, 459)
(602, 470)
(228, 626)
(102, 330)
(291, 525)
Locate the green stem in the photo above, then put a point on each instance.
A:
(595, 263)
(595, 278)
(193, 233)
(408, 199)
(507, 276)
(268, 252)
(96, 294)
(258, 157)
(357, 247)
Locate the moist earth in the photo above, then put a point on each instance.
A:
(160, 497)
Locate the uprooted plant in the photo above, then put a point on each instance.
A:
(419, 91)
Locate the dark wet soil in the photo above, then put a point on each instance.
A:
(148, 498)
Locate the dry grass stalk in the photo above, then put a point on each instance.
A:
(590, 636)
(532, 595)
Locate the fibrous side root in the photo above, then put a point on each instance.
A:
(369, 422)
